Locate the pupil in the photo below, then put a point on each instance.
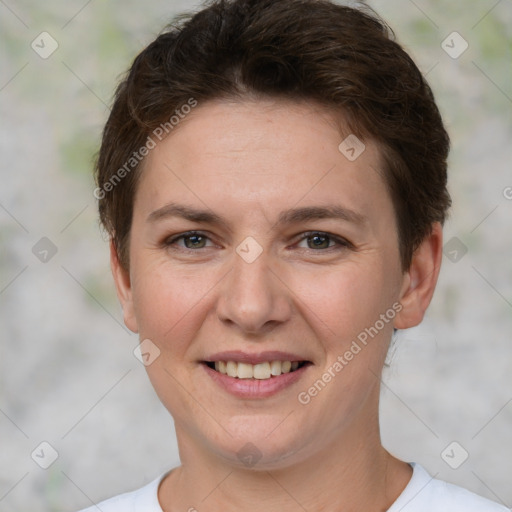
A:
(194, 241)
(319, 240)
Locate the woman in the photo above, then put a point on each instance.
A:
(273, 180)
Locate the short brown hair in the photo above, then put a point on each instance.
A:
(343, 58)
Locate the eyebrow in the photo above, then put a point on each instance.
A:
(292, 216)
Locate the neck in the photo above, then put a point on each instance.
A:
(351, 473)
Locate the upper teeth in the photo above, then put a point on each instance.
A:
(255, 371)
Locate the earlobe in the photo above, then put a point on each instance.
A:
(123, 288)
(420, 280)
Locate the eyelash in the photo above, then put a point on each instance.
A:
(342, 243)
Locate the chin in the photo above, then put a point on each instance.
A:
(262, 445)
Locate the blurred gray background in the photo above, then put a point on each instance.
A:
(68, 376)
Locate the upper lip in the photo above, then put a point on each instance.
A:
(261, 357)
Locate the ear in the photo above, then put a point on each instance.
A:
(420, 280)
(123, 288)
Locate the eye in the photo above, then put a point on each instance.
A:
(318, 240)
(315, 240)
(191, 240)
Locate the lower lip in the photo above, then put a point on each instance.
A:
(255, 388)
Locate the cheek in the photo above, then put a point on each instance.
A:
(167, 301)
(343, 302)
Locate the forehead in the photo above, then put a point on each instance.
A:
(261, 155)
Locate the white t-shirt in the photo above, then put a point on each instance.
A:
(422, 494)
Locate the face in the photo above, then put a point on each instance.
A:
(256, 241)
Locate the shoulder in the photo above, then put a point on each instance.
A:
(427, 494)
(144, 499)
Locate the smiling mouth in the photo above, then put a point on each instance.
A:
(260, 371)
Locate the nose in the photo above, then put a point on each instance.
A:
(254, 297)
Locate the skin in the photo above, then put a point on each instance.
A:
(247, 162)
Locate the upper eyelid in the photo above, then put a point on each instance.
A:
(307, 234)
(187, 234)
